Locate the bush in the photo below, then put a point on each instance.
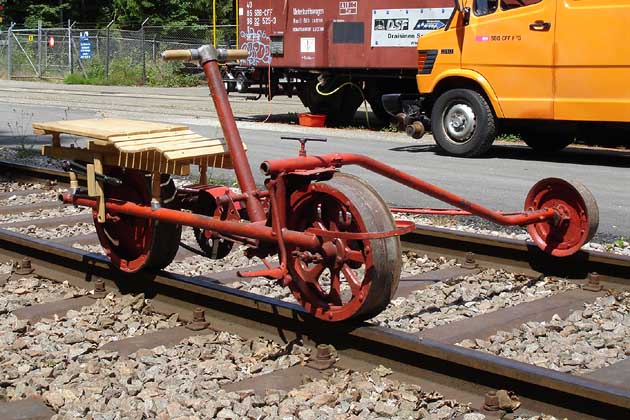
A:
(170, 75)
(123, 72)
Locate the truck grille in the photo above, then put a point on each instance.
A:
(426, 60)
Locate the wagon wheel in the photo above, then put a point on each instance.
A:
(578, 209)
(133, 243)
(349, 279)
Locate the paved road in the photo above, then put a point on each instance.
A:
(498, 180)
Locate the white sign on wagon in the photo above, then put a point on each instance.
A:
(403, 27)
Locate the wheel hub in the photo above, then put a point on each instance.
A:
(460, 122)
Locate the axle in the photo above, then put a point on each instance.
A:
(249, 230)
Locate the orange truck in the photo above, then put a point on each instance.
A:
(552, 71)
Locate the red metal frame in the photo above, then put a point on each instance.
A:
(337, 160)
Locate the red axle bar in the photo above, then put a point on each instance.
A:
(250, 230)
(274, 167)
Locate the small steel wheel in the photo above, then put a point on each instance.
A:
(132, 243)
(348, 279)
(213, 246)
(578, 216)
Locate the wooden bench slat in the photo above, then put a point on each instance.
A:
(128, 145)
(104, 128)
(189, 153)
(123, 139)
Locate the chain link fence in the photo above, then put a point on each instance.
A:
(127, 56)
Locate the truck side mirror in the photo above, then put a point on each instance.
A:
(463, 9)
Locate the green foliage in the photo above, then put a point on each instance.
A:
(123, 72)
(511, 138)
(170, 75)
(127, 13)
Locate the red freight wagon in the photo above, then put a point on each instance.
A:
(310, 47)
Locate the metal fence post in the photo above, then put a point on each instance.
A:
(70, 63)
(107, 52)
(39, 49)
(144, 55)
(10, 51)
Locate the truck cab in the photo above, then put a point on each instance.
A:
(550, 70)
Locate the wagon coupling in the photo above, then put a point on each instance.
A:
(337, 242)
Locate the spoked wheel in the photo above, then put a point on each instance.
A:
(133, 243)
(350, 279)
(578, 210)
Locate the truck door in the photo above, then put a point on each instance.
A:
(511, 44)
(593, 60)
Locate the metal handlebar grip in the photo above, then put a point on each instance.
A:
(180, 55)
(232, 55)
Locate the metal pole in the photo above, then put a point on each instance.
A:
(39, 49)
(70, 63)
(10, 51)
(214, 23)
(108, 51)
(144, 55)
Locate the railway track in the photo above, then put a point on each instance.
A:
(440, 356)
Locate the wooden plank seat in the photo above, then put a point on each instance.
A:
(142, 145)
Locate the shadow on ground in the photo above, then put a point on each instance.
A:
(359, 121)
(574, 155)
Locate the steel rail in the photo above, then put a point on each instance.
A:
(237, 310)
(516, 254)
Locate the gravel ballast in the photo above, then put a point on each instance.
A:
(586, 340)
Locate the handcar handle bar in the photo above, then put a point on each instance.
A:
(205, 53)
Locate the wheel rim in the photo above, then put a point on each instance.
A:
(459, 122)
(126, 240)
(578, 208)
(331, 287)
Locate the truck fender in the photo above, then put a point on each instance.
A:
(473, 77)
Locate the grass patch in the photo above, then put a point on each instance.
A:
(510, 138)
(124, 72)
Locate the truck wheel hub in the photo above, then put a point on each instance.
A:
(459, 122)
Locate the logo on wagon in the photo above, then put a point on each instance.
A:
(391, 24)
(429, 24)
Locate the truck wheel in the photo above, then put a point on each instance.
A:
(241, 83)
(463, 123)
(547, 142)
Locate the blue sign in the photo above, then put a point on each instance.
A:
(85, 50)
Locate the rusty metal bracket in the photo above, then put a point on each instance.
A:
(99, 290)
(470, 263)
(325, 357)
(402, 227)
(593, 283)
(199, 320)
(23, 268)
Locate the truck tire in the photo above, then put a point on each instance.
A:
(545, 142)
(463, 123)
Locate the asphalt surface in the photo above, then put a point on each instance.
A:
(498, 180)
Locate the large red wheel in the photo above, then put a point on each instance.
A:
(349, 279)
(578, 216)
(133, 243)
